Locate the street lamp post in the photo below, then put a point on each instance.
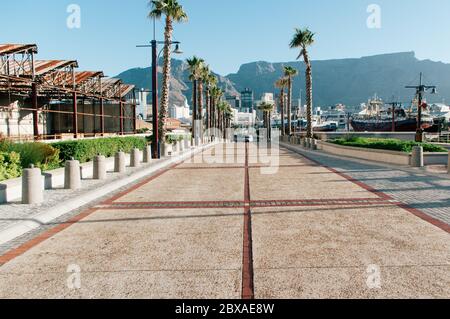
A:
(156, 153)
(420, 91)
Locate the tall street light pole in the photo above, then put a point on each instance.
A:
(420, 91)
(156, 147)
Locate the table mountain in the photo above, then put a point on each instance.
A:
(348, 81)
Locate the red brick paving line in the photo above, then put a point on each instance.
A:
(16, 252)
(248, 291)
(10, 255)
(237, 167)
(416, 212)
(243, 204)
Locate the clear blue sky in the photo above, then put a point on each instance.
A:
(228, 33)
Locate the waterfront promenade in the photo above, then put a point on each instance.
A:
(319, 227)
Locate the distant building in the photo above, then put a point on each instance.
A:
(265, 98)
(179, 112)
(144, 110)
(172, 124)
(247, 100)
(234, 101)
(244, 119)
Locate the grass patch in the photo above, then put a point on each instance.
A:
(387, 144)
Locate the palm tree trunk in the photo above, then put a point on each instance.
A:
(211, 116)
(309, 96)
(289, 107)
(200, 106)
(166, 80)
(283, 131)
(194, 107)
(208, 108)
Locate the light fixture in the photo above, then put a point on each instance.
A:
(177, 50)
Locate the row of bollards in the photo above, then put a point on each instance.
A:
(307, 143)
(33, 188)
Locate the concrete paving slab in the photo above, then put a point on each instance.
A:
(303, 182)
(322, 252)
(192, 185)
(184, 248)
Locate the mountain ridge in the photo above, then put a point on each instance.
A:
(349, 81)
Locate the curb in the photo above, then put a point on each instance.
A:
(21, 228)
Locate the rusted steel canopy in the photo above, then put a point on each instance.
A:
(41, 67)
(125, 89)
(17, 48)
(16, 73)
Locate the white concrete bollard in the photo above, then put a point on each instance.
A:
(314, 144)
(135, 160)
(120, 162)
(72, 176)
(304, 143)
(32, 187)
(168, 150)
(181, 145)
(187, 144)
(308, 142)
(147, 154)
(417, 156)
(99, 167)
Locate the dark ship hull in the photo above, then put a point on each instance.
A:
(404, 125)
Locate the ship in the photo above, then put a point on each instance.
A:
(378, 118)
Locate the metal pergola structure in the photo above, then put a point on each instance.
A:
(42, 82)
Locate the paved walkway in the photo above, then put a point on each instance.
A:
(229, 230)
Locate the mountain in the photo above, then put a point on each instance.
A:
(347, 81)
(181, 86)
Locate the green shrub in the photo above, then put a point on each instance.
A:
(386, 144)
(86, 150)
(40, 155)
(142, 130)
(9, 165)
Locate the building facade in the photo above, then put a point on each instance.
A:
(247, 101)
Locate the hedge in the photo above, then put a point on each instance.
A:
(9, 165)
(387, 144)
(86, 150)
(41, 155)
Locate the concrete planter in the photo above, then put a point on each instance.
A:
(404, 136)
(435, 159)
(385, 156)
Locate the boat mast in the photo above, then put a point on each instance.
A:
(421, 89)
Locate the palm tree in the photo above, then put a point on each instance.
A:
(210, 82)
(173, 12)
(216, 94)
(195, 67)
(282, 83)
(267, 109)
(289, 73)
(204, 76)
(224, 111)
(227, 117)
(303, 39)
